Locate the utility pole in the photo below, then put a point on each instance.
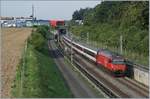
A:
(71, 50)
(121, 44)
(32, 12)
(87, 37)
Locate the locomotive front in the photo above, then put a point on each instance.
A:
(119, 66)
(111, 61)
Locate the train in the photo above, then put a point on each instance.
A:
(111, 61)
(59, 26)
(56, 23)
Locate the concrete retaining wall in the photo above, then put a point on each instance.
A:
(141, 76)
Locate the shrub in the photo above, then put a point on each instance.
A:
(37, 40)
(43, 30)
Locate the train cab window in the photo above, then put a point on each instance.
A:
(100, 51)
(118, 62)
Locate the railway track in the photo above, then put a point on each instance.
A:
(138, 89)
(79, 88)
(134, 89)
(100, 84)
(143, 87)
(131, 83)
(103, 84)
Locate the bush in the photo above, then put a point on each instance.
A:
(37, 40)
(43, 30)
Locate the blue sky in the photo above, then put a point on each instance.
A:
(44, 9)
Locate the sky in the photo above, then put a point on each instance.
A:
(44, 9)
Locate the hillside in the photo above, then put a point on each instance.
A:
(106, 22)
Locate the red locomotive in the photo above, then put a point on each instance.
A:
(110, 60)
(56, 23)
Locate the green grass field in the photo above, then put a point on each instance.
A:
(38, 76)
(41, 77)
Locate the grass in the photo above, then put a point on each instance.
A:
(41, 78)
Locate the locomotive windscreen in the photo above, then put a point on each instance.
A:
(60, 23)
(118, 61)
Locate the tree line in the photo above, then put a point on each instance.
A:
(110, 19)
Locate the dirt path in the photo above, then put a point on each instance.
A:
(13, 41)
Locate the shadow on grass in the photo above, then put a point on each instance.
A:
(53, 52)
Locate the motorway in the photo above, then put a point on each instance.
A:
(79, 87)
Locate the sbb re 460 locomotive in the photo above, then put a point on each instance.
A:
(111, 61)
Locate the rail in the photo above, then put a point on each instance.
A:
(81, 67)
(100, 85)
(139, 66)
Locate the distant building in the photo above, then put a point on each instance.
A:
(30, 23)
(21, 22)
(8, 23)
(6, 18)
(13, 21)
